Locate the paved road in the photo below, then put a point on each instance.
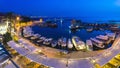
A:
(30, 52)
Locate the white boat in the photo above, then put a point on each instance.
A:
(89, 45)
(39, 41)
(89, 29)
(26, 36)
(97, 43)
(64, 42)
(79, 45)
(47, 41)
(43, 38)
(70, 45)
(54, 43)
(102, 37)
(50, 39)
(59, 41)
(111, 35)
(37, 35)
(33, 38)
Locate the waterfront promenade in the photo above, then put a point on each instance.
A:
(48, 57)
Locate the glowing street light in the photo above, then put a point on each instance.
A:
(18, 18)
(41, 20)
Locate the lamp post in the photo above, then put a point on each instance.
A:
(67, 61)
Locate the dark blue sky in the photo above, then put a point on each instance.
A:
(75, 8)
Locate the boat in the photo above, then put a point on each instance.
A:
(37, 35)
(97, 43)
(50, 39)
(33, 38)
(54, 43)
(26, 36)
(111, 35)
(102, 37)
(89, 45)
(64, 42)
(59, 41)
(78, 43)
(101, 29)
(70, 45)
(43, 38)
(39, 41)
(89, 29)
(47, 41)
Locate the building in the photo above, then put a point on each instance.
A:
(3, 26)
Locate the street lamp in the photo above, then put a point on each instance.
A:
(18, 18)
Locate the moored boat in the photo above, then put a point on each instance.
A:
(79, 45)
(54, 43)
(97, 43)
(47, 41)
(70, 45)
(59, 41)
(89, 29)
(64, 42)
(89, 45)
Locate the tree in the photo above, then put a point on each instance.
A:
(6, 38)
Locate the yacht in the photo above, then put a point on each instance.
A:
(70, 45)
(33, 38)
(43, 38)
(102, 37)
(79, 45)
(111, 35)
(64, 41)
(89, 29)
(26, 36)
(39, 41)
(37, 35)
(97, 43)
(59, 41)
(50, 39)
(89, 45)
(47, 41)
(54, 43)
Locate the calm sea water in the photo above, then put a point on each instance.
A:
(63, 31)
